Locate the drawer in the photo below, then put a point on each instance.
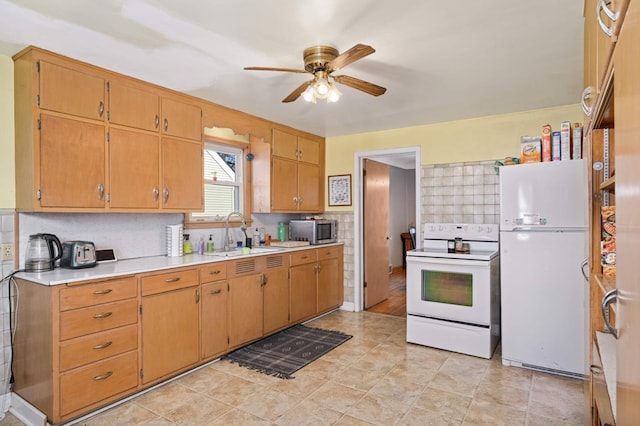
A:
(94, 347)
(328, 252)
(303, 256)
(80, 322)
(96, 382)
(169, 281)
(214, 272)
(97, 293)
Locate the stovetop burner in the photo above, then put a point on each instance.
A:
(482, 240)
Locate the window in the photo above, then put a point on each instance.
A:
(223, 182)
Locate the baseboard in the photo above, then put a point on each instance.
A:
(25, 412)
(348, 306)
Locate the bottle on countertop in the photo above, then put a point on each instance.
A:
(187, 248)
(281, 232)
(262, 242)
(201, 246)
(255, 238)
(210, 245)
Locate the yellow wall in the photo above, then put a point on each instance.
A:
(7, 164)
(476, 139)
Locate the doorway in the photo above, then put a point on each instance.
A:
(408, 158)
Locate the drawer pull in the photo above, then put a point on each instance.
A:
(172, 280)
(303, 257)
(596, 370)
(104, 315)
(102, 346)
(216, 272)
(105, 291)
(218, 291)
(103, 376)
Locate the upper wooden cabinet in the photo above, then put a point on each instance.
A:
(288, 175)
(90, 140)
(71, 92)
(133, 107)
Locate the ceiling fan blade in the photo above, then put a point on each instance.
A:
(357, 52)
(297, 92)
(362, 85)
(275, 69)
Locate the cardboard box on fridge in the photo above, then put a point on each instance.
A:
(565, 140)
(530, 149)
(546, 142)
(577, 141)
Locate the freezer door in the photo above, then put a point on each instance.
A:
(544, 300)
(552, 195)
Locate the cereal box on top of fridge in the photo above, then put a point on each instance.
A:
(546, 142)
(565, 140)
(577, 141)
(530, 149)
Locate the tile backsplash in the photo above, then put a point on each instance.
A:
(460, 192)
(7, 233)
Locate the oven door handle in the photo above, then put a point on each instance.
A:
(421, 260)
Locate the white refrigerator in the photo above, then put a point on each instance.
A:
(544, 297)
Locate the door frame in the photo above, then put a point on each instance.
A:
(383, 156)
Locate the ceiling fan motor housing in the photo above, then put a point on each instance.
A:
(316, 58)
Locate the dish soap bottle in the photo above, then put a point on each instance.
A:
(201, 246)
(210, 245)
(255, 238)
(262, 236)
(281, 231)
(187, 248)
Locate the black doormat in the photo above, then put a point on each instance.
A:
(287, 351)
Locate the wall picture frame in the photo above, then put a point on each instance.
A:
(340, 190)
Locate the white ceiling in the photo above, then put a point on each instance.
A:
(439, 60)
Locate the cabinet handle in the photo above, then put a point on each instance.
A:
(102, 346)
(300, 155)
(303, 257)
(172, 280)
(596, 370)
(299, 201)
(611, 296)
(602, 7)
(216, 272)
(101, 108)
(166, 195)
(104, 376)
(157, 121)
(218, 291)
(295, 201)
(166, 124)
(265, 279)
(586, 94)
(156, 194)
(197, 296)
(105, 291)
(100, 191)
(104, 315)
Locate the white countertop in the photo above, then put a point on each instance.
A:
(137, 266)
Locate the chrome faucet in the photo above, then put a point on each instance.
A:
(226, 227)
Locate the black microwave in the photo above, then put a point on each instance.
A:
(316, 231)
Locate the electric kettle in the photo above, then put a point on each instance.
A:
(43, 250)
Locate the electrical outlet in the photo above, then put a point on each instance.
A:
(6, 251)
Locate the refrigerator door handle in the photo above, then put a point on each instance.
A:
(585, 262)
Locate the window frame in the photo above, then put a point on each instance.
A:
(191, 222)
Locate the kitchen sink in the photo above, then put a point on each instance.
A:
(237, 252)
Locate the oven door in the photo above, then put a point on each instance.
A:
(449, 289)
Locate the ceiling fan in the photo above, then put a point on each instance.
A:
(322, 61)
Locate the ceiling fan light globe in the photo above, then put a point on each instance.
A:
(334, 94)
(322, 86)
(308, 94)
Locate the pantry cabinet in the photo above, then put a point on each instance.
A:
(288, 174)
(91, 140)
(615, 375)
(170, 314)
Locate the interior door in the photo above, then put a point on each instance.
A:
(376, 232)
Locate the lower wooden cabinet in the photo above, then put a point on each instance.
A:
(81, 346)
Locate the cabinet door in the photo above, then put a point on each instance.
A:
(170, 332)
(284, 185)
(276, 300)
(71, 92)
(133, 107)
(181, 119)
(303, 291)
(309, 188)
(182, 175)
(308, 151)
(214, 319)
(72, 163)
(245, 309)
(134, 169)
(330, 289)
(284, 145)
